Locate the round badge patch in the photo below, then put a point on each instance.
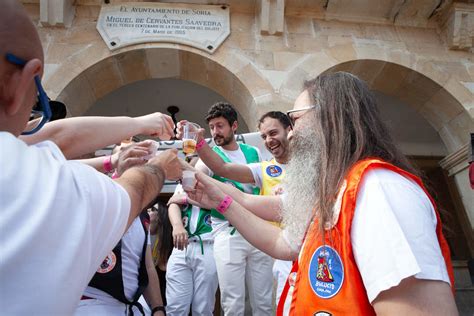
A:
(274, 171)
(108, 264)
(207, 220)
(326, 272)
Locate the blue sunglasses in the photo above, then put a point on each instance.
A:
(41, 110)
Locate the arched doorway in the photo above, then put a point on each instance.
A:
(434, 103)
(146, 96)
(132, 66)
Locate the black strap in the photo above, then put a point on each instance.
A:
(138, 305)
(159, 308)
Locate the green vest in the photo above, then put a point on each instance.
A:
(251, 155)
(203, 223)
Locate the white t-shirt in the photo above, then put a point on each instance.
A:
(256, 169)
(58, 220)
(394, 233)
(236, 156)
(132, 250)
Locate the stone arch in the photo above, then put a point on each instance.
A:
(235, 79)
(427, 89)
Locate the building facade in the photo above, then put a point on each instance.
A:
(416, 55)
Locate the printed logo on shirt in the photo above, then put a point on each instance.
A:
(207, 220)
(326, 272)
(108, 264)
(322, 313)
(274, 171)
(185, 221)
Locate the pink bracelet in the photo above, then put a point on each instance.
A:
(115, 175)
(200, 144)
(108, 164)
(224, 204)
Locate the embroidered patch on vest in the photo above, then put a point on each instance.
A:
(274, 171)
(326, 272)
(207, 220)
(322, 313)
(108, 264)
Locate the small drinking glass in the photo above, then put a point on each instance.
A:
(189, 180)
(190, 135)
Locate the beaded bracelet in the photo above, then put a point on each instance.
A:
(224, 204)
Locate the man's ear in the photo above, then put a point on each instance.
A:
(235, 125)
(20, 84)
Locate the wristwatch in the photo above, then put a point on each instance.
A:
(159, 308)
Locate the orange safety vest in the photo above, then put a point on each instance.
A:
(328, 281)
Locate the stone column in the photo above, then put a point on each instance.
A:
(57, 12)
(456, 164)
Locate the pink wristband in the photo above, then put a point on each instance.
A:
(224, 204)
(108, 164)
(200, 144)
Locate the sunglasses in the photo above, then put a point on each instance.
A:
(41, 112)
(291, 114)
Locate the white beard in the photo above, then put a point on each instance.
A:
(300, 186)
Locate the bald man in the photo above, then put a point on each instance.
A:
(58, 219)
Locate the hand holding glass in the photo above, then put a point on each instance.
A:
(190, 136)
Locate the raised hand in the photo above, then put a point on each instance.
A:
(132, 155)
(157, 124)
(180, 131)
(169, 162)
(206, 193)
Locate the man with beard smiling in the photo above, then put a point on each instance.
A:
(274, 127)
(237, 261)
(364, 229)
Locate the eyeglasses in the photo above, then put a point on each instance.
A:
(291, 116)
(41, 112)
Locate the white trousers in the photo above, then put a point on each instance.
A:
(191, 279)
(107, 308)
(238, 261)
(281, 270)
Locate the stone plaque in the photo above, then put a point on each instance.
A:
(201, 26)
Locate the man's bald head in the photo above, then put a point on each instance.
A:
(18, 35)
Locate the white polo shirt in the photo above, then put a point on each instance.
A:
(58, 220)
